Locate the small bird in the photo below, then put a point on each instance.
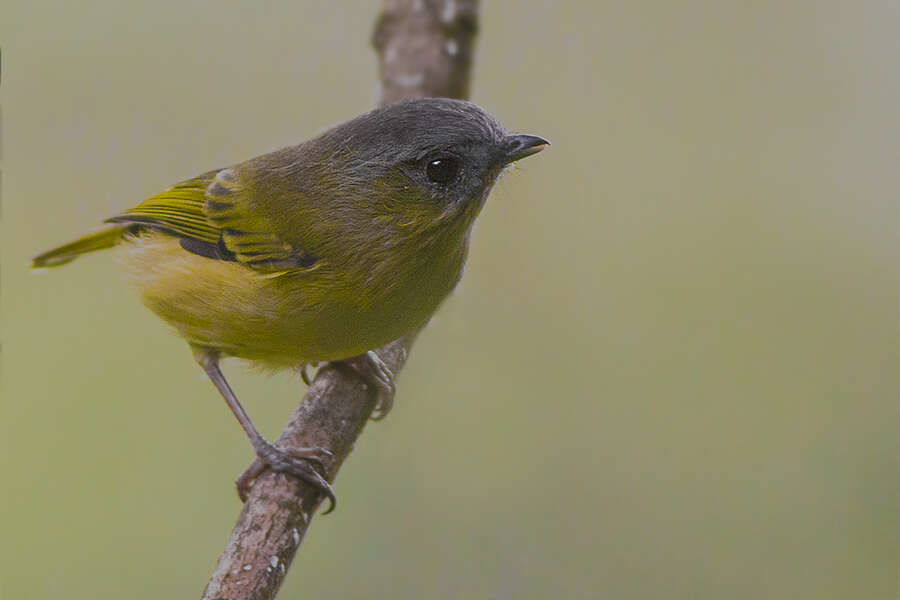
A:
(317, 252)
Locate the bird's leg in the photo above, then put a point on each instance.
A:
(304, 368)
(295, 461)
(377, 374)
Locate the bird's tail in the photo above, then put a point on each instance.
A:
(99, 240)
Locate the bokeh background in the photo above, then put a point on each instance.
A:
(670, 371)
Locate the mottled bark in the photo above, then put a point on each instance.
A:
(425, 50)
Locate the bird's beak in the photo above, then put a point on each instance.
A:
(520, 146)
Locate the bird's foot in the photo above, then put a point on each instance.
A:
(304, 369)
(299, 462)
(379, 376)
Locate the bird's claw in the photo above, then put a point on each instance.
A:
(304, 368)
(293, 461)
(376, 373)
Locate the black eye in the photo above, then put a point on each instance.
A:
(442, 170)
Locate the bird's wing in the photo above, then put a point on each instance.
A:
(254, 222)
(180, 211)
(213, 217)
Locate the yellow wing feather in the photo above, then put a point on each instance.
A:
(213, 209)
(247, 231)
(180, 210)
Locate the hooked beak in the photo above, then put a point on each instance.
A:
(520, 146)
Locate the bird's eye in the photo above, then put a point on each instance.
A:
(442, 170)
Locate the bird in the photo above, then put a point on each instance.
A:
(317, 252)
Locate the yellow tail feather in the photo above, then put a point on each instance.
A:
(100, 240)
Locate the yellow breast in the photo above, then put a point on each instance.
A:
(285, 319)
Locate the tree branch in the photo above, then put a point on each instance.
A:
(425, 50)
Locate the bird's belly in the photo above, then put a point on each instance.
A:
(277, 321)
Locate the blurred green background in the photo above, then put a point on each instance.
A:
(670, 371)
